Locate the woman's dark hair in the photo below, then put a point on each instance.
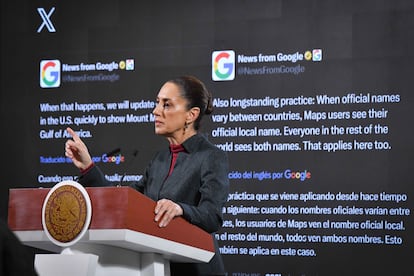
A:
(197, 95)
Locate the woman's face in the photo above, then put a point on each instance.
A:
(170, 111)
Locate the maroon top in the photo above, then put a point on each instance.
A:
(175, 149)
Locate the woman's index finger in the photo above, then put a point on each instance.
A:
(72, 133)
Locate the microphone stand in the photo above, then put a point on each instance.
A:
(134, 155)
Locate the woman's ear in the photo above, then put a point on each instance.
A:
(193, 114)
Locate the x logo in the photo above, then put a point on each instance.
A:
(46, 20)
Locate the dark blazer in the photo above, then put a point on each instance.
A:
(199, 184)
(15, 258)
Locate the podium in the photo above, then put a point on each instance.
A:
(122, 237)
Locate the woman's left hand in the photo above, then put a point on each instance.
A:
(165, 211)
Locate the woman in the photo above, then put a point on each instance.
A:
(187, 179)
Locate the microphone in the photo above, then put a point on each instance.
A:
(113, 152)
(134, 155)
(109, 153)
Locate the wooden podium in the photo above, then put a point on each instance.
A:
(122, 238)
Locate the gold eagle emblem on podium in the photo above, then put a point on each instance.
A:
(66, 212)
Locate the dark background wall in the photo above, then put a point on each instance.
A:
(316, 115)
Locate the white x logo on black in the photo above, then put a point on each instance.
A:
(46, 20)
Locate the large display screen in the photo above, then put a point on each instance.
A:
(313, 103)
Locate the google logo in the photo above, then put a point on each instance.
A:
(49, 73)
(223, 65)
(113, 159)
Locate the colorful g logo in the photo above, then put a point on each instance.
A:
(223, 65)
(49, 73)
(317, 54)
